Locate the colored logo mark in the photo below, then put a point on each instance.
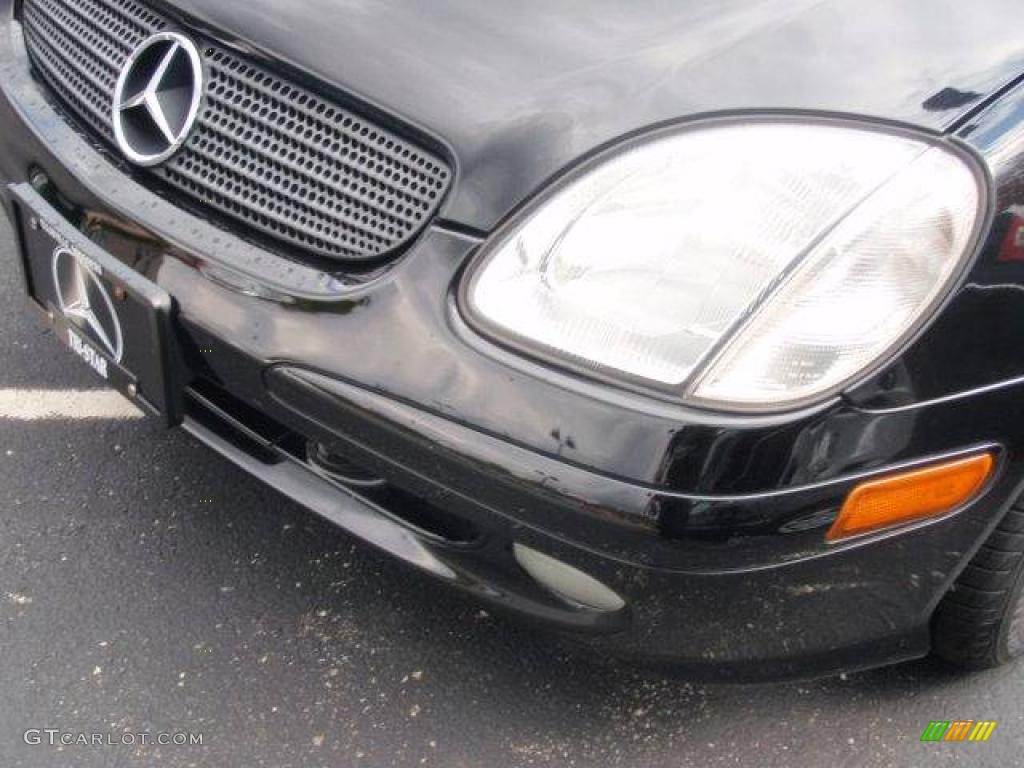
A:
(958, 730)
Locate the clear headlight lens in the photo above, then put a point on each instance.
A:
(748, 264)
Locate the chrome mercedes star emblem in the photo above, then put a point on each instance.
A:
(84, 301)
(157, 98)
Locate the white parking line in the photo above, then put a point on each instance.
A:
(73, 404)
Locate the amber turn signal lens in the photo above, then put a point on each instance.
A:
(912, 495)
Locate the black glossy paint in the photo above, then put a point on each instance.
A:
(520, 91)
(676, 507)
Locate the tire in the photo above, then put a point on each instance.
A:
(979, 623)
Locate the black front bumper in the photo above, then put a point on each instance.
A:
(711, 527)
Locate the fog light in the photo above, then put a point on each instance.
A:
(566, 581)
(913, 495)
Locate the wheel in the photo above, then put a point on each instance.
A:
(980, 621)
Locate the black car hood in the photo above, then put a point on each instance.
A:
(521, 89)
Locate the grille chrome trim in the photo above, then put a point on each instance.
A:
(266, 153)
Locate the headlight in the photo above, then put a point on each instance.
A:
(755, 264)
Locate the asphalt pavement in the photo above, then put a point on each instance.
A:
(147, 586)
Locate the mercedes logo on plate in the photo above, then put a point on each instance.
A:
(85, 302)
(157, 98)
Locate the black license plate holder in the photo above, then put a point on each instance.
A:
(111, 317)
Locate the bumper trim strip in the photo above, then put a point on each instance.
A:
(351, 513)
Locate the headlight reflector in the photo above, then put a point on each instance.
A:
(750, 264)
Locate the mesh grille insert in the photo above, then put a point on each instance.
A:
(266, 152)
